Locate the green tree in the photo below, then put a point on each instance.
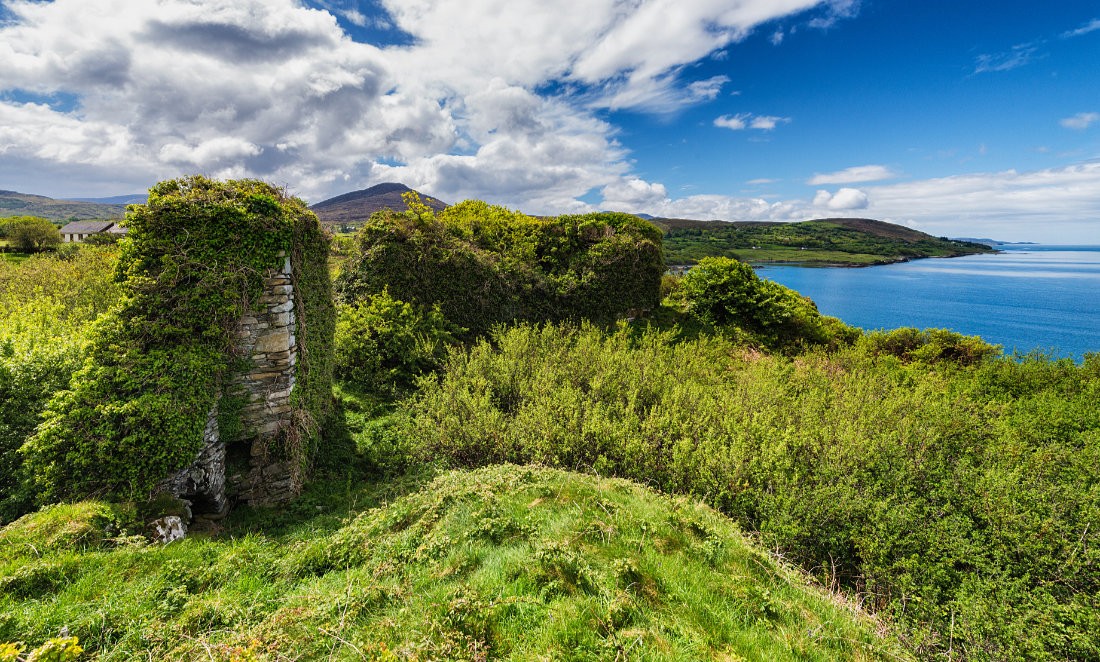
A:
(724, 292)
(31, 234)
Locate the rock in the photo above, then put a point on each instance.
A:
(276, 341)
(168, 529)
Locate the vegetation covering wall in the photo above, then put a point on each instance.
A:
(484, 265)
(194, 259)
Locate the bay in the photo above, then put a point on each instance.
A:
(1026, 298)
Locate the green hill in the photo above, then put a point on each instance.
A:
(358, 206)
(826, 242)
(505, 562)
(24, 204)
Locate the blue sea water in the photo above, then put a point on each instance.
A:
(1026, 298)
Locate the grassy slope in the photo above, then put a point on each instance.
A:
(23, 204)
(839, 241)
(504, 562)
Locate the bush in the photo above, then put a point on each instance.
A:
(484, 265)
(929, 346)
(727, 294)
(960, 501)
(31, 234)
(383, 345)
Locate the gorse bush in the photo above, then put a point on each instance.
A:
(962, 502)
(194, 259)
(383, 345)
(929, 346)
(484, 265)
(728, 295)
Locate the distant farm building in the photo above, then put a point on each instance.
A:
(81, 230)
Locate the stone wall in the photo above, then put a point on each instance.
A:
(267, 338)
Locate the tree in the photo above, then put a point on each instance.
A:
(31, 234)
(724, 292)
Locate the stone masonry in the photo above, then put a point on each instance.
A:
(267, 338)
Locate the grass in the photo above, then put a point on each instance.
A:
(785, 255)
(504, 562)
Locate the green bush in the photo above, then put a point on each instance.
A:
(727, 294)
(31, 234)
(46, 305)
(929, 346)
(384, 345)
(484, 265)
(960, 501)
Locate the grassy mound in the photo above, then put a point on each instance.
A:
(500, 563)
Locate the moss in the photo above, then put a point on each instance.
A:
(485, 265)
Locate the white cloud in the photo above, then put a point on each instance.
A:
(1091, 26)
(1080, 121)
(1019, 56)
(845, 199)
(743, 121)
(634, 194)
(276, 89)
(854, 175)
(1072, 192)
(1059, 204)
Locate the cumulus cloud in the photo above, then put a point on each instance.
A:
(743, 121)
(276, 88)
(844, 199)
(1080, 121)
(1015, 206)
(854, 175)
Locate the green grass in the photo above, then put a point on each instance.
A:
(504, 562)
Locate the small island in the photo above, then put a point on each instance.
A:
(828, 242)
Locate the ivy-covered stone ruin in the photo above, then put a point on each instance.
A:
(212, 381)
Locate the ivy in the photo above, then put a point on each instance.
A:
(484, 265)
(191, 265)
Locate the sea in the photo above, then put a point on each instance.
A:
(1026, 298)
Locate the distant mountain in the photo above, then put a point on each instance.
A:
(826, 241)
(13, 203)
(993, 243)
(357, 206)
(133, 199)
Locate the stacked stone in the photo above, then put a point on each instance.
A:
(267, 337)
(202, 485)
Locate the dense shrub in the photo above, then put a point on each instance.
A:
(485, 265)
(31, 234)
(383, 345)
(194, 259)
(962, 502)
(929, 346)
(46, 305)
(727, 294)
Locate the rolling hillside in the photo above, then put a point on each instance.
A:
(13, 203)
(825, 242)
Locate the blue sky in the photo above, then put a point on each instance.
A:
(956, 118)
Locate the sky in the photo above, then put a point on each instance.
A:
(954, 117)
